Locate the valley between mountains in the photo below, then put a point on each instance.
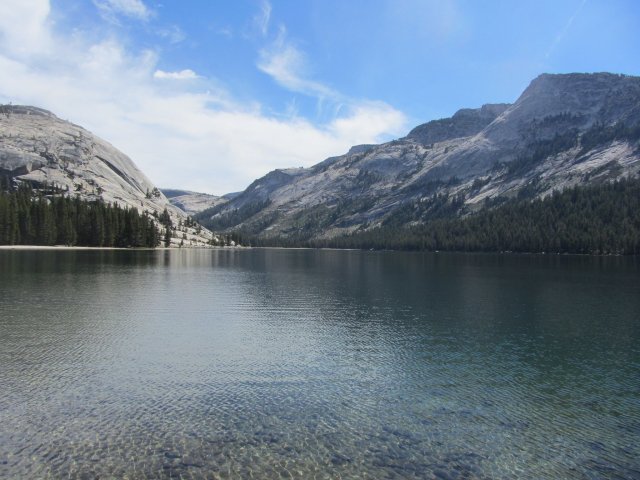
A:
(564, 131)
(485, 171)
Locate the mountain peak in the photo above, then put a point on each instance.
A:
(581, 90)
(564, 130)
(584, 98)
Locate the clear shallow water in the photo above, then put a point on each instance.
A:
(318, 364)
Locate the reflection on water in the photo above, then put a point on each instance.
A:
(318, 364)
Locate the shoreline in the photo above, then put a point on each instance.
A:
(55, 247)
(505, 253)
(66, 247)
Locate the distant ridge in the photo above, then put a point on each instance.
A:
(192, 202)
(564, 130)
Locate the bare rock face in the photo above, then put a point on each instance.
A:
(588, 98)
(38, 147)
(192, 202)
(564, 130)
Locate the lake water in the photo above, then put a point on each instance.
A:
(318, 364)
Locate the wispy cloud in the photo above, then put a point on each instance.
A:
(262, 18)
(173, 34)
(563, 32)
(226, 31)
(186, 74)
(359, 118)
(128, 8)
(287, 65)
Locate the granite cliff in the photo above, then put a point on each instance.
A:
(192, 202)
(563, 130)
(38, 147)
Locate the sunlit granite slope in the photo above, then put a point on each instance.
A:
(564, 130)
(38, 147)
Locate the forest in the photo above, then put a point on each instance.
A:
(596, 219)
(29, 217)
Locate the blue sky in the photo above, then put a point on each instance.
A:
(208, 95)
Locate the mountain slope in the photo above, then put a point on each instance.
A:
(564, 130)
(192, 202)
(588, 219)
(38, 147)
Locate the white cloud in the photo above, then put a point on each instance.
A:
(262, 18)
(187, 74)
(225, 31)
(367, 120)
(287, 66)
(173, 34)
(22, 26)
(354, 118)
(191, 135)
(129, 8)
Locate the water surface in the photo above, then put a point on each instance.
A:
(318, 364)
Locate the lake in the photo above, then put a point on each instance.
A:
(318, 364)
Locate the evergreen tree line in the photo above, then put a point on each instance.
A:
(600, 134)
(600, 219)
(213, 220)
(28, 218)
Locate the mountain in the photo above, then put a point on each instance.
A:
(39, 148)
(192, 202)
(564, 130)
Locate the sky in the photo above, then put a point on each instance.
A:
(208, 95)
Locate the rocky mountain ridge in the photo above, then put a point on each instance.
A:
(39, 148)
(563, 130)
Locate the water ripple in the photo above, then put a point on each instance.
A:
(311, 364)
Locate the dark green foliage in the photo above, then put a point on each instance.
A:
(478, 183)
(365, 179)
(564, 118)
(431, 208)
(600, 219)
(166, 222)
(611, 169)
(27, 218)
(155, 193)
(600, 134)
(5, 181)
(540, 150)
(214, 220)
